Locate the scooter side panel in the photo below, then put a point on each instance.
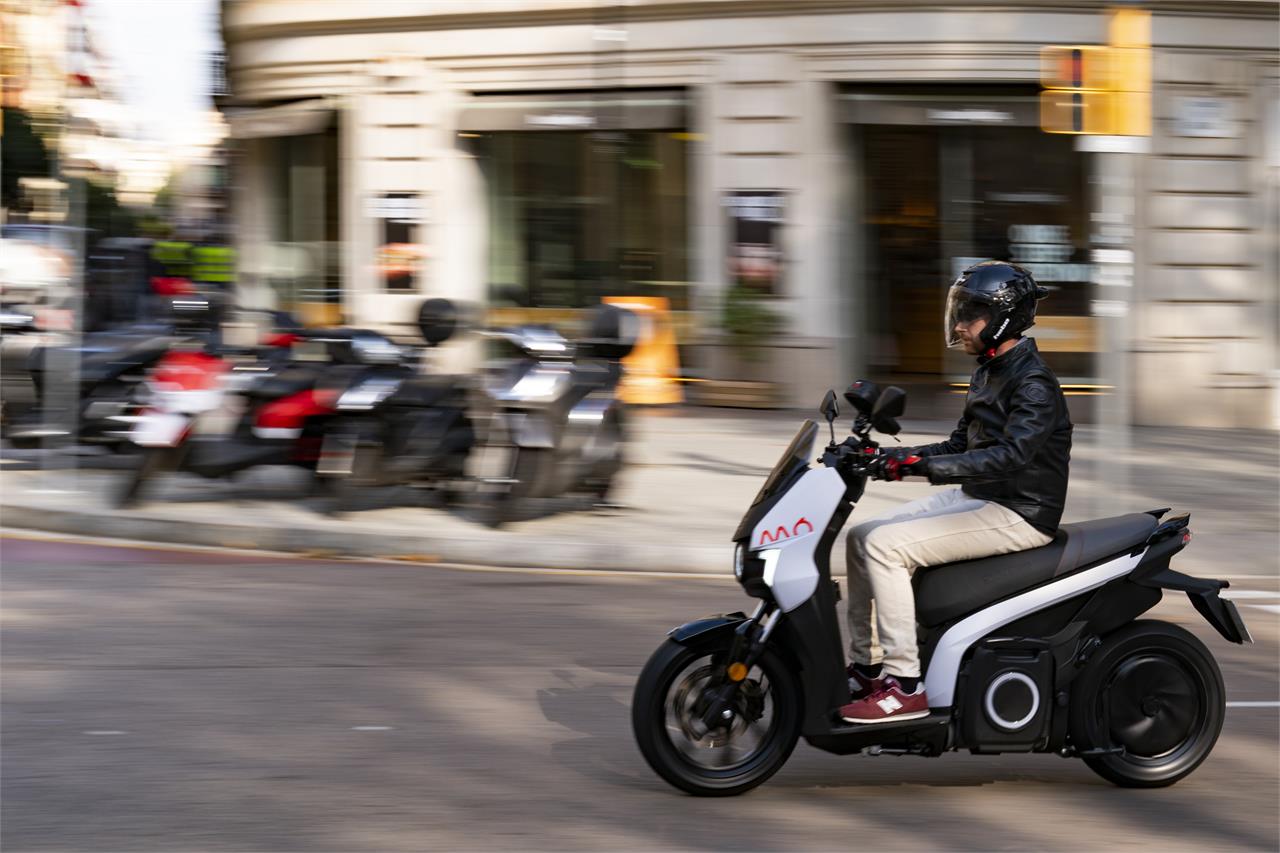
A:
(940, 678)
(789, 533)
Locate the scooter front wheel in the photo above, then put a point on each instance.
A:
(154, 461)
(733, 757)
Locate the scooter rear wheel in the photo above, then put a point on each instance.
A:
(1156, 691)
(726, 760)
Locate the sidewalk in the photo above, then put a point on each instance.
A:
(691, 475)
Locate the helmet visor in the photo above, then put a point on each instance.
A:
(963, 309)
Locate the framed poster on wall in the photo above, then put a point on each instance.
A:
(401, 254)
(754, 253)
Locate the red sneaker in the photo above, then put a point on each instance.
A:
(861, 686)
(888, 704)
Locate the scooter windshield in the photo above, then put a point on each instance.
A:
(794, 459)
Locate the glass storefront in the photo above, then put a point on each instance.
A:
(946, 181)
(576, 216)
(303, 264)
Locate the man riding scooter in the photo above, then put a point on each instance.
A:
(1009, 457)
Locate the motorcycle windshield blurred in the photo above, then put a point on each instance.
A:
(794, 459)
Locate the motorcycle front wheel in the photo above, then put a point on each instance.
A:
(726, 760)
(154, 461)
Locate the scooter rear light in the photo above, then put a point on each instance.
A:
(1186, 537)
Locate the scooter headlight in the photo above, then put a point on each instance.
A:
(748, 568)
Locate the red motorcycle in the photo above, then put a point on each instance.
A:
(284, 406)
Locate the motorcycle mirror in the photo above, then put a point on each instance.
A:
(830, 410)
(437, 321)
(862, 395)
(891, 403)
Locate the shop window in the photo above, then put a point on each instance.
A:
(577, 216)
(941, 198)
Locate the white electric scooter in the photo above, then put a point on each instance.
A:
(1035, 651)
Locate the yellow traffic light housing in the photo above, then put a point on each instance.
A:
(1092, 89)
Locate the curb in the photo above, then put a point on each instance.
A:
(512, 550)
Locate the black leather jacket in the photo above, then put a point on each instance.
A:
(1013, 443)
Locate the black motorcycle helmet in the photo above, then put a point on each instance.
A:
(1004, 293)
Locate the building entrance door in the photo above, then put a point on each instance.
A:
(946, 181)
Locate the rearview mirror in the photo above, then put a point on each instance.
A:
(437, 321)
(862, 395)
(830, 410)
(891, 403)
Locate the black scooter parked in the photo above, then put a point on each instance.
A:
(111, 367)
(1036, 651)
(395, 426)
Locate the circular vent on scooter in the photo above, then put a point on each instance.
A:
(1012, 700)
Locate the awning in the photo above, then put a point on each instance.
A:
(613, 110)
(295, 119)
(918, 110)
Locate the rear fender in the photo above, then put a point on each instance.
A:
(1154, 571)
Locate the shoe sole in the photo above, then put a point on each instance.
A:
(914, 715)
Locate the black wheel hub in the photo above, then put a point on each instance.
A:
(1153, 704)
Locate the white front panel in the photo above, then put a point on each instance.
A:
(159, 429)
(789, 534)
(940, 680)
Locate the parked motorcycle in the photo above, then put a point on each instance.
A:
(286, 406)
(111, 367)
(1036, 651)
(557, 422)
(395, 426)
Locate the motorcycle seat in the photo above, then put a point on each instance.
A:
(429, 391)
(282, 384)
(596, 375)
(950, 590)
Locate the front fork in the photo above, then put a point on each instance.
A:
(749, 640)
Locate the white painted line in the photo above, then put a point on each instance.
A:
(104, 732)
(1248, 593)
(1253, 704)
(1270, 608)
(371, 728)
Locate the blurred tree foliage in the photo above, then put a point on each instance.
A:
(22, 155)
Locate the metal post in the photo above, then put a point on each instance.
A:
(1114, 202)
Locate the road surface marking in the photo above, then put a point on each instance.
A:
(371, 728)
(1249, 593)
(104, 732)
(1270, 608)
(1253, 704)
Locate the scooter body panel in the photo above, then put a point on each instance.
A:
(789, 533)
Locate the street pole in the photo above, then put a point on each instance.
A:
(1114, 194)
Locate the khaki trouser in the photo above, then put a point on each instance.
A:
(883, 552)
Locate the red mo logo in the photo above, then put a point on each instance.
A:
(781, 534)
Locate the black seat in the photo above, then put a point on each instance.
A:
(283, 384)
(954, 589)
(425, 392)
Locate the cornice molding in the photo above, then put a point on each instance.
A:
(670, 10)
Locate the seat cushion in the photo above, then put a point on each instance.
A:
(283, 384)
(947, 591)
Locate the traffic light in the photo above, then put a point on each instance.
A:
(1095, 89)
(1076, 96)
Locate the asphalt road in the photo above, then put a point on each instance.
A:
(164, 700)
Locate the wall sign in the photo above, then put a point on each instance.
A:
(401, 254)
(755, 257)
